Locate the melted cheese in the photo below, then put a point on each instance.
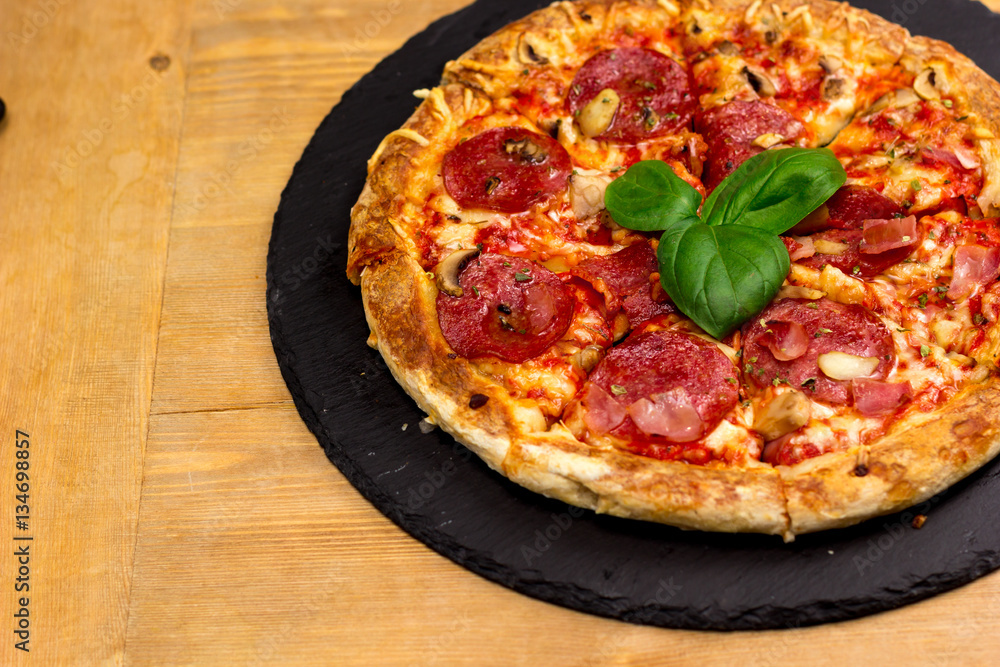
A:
(910, 153)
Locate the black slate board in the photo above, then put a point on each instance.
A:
(445, 497)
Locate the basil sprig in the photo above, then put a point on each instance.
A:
(725, 265)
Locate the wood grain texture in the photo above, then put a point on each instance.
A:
(135, 351)
(87, 160)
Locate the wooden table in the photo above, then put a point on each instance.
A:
(180, 512)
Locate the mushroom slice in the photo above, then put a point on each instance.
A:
(898, 98)
(447, 271)
(587, 358)
(783, 414)
(760, 82)
(929, 84)
(727, 48)
(528, 53)
(586, 193)
(831, 64)
(842, 366)
(833, 88)
(598, 114)
(767, 140)
(526, 149)
(904, 97)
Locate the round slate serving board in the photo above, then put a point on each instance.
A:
(445, 497)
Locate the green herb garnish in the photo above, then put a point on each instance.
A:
(725, 265)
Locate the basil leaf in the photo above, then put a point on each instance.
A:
(775, 189)
(721, 276)
(650, 197)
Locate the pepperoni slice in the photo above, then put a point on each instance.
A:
(655, 92)
(730, 130)
(666, 380)
(848, 208)
(641, 306)
(626, 286)
(851, 205)
(830, 327)
(849, 258)
(510, 307)
(506, 169)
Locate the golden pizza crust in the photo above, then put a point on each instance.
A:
(400, 172)
(901, 470)
(850, 32)
(556, 41)
(918, 458)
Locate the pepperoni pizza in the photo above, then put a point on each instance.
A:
(528, 319)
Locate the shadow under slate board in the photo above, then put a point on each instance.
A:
(445, 497)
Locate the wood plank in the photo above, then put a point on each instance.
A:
(261, 79)
(87, 160)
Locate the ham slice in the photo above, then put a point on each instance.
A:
(789, 340)
(602, 412)
(772, 450)
(670, 415)
(803, 247)
(874, 397)
(880, 236)
(959, 157)
(975, 266)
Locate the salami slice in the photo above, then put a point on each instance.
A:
(506, 169)
(849, 257)
(851, 205)
(848, 208)
(830, 327)
(654, 91)
(730, 131)
(623, 279)
(673, 387)
(510, 307)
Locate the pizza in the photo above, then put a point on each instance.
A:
(725, 265)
